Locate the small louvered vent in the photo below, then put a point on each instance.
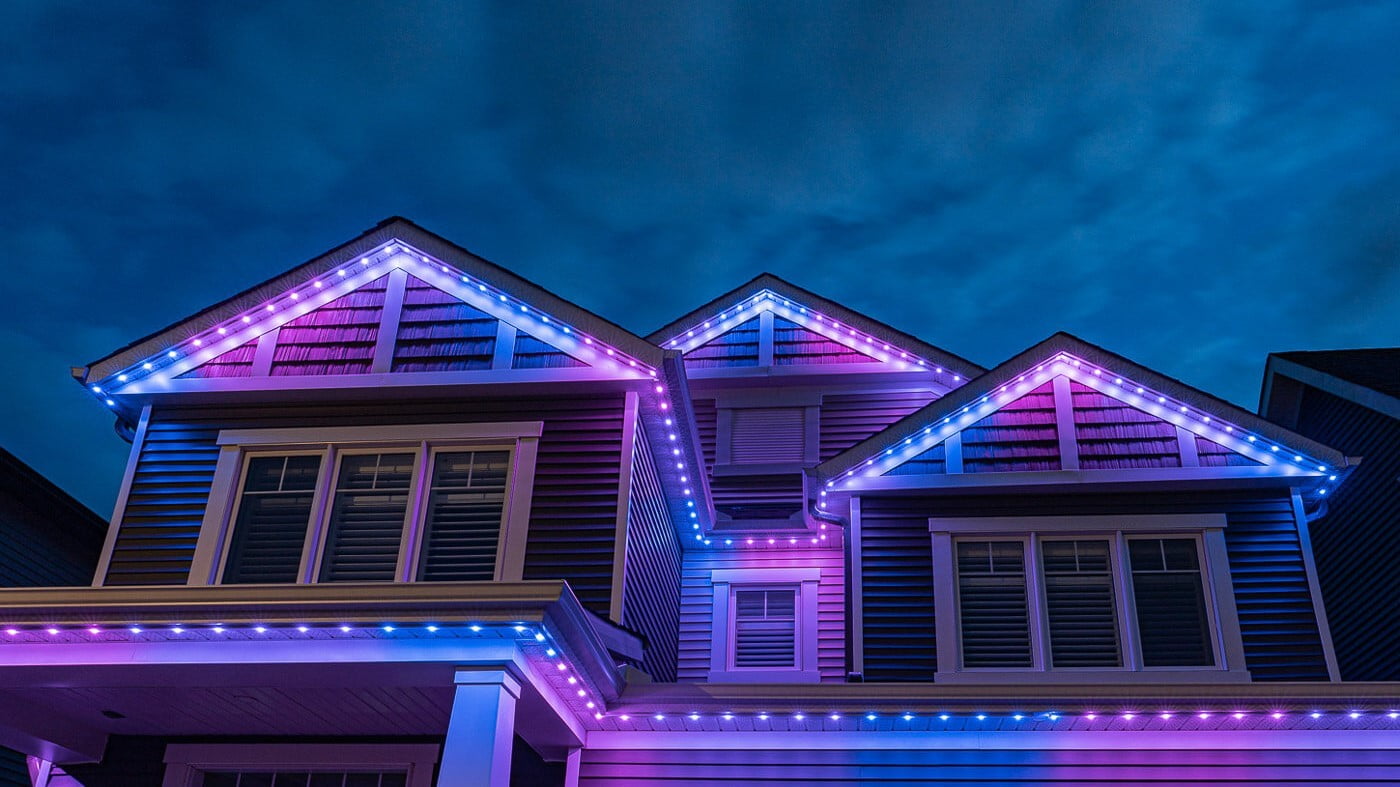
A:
(1079, 604)
(768, 435)
(765, 628)
(367, 517)
(1171, 607)
(463, 527)
(995, 625)
(273, 512)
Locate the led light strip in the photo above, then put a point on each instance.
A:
(961, 720)
(1171, 410)
(821, 324)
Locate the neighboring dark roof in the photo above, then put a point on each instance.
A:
(1376, 368)
(767, 281)
(1006, 371)
(28, 485)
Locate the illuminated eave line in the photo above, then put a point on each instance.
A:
(810, 319)
(1168, 409)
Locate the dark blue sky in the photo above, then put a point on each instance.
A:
(1192, 185)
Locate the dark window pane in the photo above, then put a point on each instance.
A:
(367, 517)
(362, 780)
(1079, 604)
(220, 779)
(274, 511)
(291, 779)
(255, 779)
(1171, 605)
(394, 780)
(327, 780)
(765, 629)
(463, 526)
(992, 612)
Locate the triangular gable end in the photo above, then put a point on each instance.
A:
(1067, 415)
(391, 311)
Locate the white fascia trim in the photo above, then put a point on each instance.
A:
(1019, 525)
(432, 433)
(777, 576)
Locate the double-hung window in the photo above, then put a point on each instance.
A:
(372, 504)
(1076, 595)
(764, 625)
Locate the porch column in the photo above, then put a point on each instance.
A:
(481, 732)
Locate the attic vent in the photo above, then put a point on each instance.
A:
(765, 628)
(992, 600)
(768, 435)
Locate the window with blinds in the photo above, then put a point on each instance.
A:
(466, 499)
(1079, 607)
(290, 778)
(768, 435)
(368, 508)
(274, 511)
(765, 628)
(993, 617)
(1170, 601)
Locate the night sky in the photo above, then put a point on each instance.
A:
(1193, 185)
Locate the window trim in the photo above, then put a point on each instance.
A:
(725, 583)
(237, 447)
(185, 762)
(1208, 531)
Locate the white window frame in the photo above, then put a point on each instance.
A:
(1222, 618)
(238, 446)
(185, 763)
(725, 583)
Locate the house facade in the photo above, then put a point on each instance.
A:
(400, 517)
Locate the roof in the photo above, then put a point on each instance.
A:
(956, 403)
(29, 485)
(1376, 368)
(784, 289)
(386, 231)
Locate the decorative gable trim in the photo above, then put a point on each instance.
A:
(944, 424)
(796, 331)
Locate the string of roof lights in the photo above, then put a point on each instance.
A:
(811, 319)
(241, 329)
(577, 691)
(1169, 409)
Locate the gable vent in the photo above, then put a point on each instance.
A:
(767, 435)
(765, 628)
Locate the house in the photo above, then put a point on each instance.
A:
(401, 517)
(1350, 399)
(47, 539)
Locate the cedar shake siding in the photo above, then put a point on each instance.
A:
(652, 569)
(573, 514)
(1278, 622)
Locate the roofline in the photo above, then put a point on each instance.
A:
(1359, 394)
(38, 484)
(392, 228)
(1065, 342)
(773, 282)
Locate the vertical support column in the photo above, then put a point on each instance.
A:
(945, 603)
(481, 732)
(952, 453)
(765, 338)
(1186, 446)
(388, 333)
(263, 354)
(1064, 423)
(504, 353)
(571, 767)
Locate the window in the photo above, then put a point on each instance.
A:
(1072, 595)
(299, 765)
(765, 628)
(764, 625)
(367, 507)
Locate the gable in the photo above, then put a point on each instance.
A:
(1065, 414)
(774, 327)
(392, 312)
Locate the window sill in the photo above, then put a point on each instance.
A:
(764, 676)
(1094, 676)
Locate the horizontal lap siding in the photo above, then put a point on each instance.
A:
(697, 594)
(652, 573)
(920, 766)
(1355, 543)
(1277, 621)
(573, 512)
(847, 419)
